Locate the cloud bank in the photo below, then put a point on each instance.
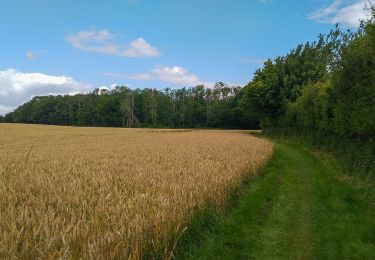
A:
(175, 75)
(103, 42)
(17, 87)
(345, 12)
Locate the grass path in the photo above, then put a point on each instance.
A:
(301, 208)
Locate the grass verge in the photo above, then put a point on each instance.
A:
(301, 207)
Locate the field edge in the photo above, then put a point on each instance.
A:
(221, 235)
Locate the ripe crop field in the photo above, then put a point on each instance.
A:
(68, 192)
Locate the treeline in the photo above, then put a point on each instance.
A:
(198, 106)
(323, 91)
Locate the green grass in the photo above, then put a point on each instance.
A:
(301, 208)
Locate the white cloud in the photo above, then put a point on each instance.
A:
(102, 42)
(109, 88)
(17, 87)
(175, 75)
(345, 12)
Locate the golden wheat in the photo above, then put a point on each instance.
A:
(69, 192)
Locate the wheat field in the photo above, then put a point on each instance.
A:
(69, 192)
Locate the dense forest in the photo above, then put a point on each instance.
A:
(187, 107)
(323, 91)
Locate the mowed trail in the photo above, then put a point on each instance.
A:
(301, 208)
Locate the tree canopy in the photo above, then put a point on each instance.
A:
(122, 107)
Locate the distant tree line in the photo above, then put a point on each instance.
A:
(198, 106)
(323, 91)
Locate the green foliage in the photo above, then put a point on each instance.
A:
(310, 111)
(186, 107)
(281, 81)
(354, 87)
(301, 207)
(324, 91)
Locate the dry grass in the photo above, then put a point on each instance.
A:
(70, 192)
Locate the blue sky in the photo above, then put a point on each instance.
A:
(57, 47)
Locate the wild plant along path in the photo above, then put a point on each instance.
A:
(301, 208)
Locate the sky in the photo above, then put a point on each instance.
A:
(74, 46)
